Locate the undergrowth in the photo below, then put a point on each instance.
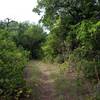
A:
(70, 85)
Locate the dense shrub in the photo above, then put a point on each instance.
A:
(87, 54)
(12, 63)
(55, 48)
(49, 48)
(31, 39)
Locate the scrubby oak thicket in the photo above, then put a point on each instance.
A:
(74, 36)
(19, 42)
(73, 41)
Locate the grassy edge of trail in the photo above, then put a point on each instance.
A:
(71, 86)
(32, 76)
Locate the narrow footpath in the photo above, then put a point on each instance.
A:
(46, 79)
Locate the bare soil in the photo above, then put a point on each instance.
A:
(46, 81)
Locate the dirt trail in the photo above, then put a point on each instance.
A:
(47, 81)
(66, 84)
(47, 90)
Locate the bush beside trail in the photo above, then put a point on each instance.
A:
(12, 64)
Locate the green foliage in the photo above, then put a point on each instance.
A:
(77, 10)
(90, 69)
(31, 39)
(49, 48)
(12, 64)
(29, 36)
(18, 41)
(74, 30)
(55, 48)
(88, 51)
(88, 34)
(74, 34)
